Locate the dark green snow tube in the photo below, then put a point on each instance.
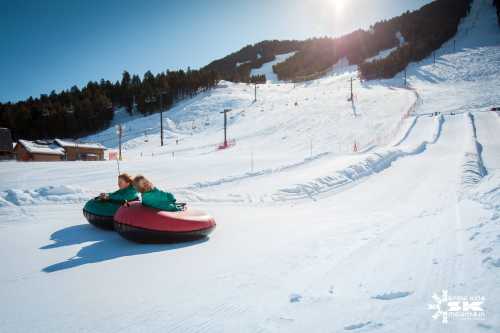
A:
(100, 212)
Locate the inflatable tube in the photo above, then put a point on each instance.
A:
(100, 213)
(142, 224)
(101, 222)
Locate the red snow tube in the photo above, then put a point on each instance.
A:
(147, 225)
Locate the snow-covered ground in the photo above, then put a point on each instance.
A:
(311, 235)
(385, 53)
(267, 68)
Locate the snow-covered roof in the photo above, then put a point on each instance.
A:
(73, 144)
(37, 148)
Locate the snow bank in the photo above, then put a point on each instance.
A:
(374, 162)
(235, 178)
(488, 193)
(44, 195)
(4, 203)
(473, 166)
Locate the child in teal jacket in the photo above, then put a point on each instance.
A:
(108, 203)
(153, 197)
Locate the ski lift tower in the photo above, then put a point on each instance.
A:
(134, 105)
(225, 145)
(351, 96)
(161, 116)
(119, 132)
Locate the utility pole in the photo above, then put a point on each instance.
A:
(225, 126)
(119, 131)
(161, 119)
(352, 94)
(77, 157)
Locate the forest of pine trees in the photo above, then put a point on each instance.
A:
(76, 112)
(424, 30)
(319, 54)
(237, 66)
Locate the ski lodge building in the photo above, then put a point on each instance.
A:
(81, 151)
(58, 150)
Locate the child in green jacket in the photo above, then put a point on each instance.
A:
(125, 192)
(106, 204)
(153, 197)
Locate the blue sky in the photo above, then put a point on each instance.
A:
(47, 45)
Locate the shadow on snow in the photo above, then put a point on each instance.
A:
(107, 246)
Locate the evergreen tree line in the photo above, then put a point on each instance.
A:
(258, 79)
(237, 66)
(77, 112)
(424, 30)
(320, 54)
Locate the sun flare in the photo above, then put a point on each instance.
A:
(338, 5)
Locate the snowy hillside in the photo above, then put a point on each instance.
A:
(267, 68)
(331, 216)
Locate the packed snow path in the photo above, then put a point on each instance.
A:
(297, 248)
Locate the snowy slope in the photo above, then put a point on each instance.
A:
(320, 240)
(267, 68)
(385, 53)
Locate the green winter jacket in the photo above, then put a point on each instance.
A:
(109, 207)
(159, 200)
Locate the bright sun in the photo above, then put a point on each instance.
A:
(338, 5)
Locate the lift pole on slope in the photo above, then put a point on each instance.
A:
(405, 79)
(161, 119)
(225, 126)
(119, 132)
(255, 92)
(352, 94)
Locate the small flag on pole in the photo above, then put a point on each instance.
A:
(113, 155)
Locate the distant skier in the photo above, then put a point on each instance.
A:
(155, 198)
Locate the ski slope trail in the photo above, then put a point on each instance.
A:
(487, 124)
(325, 175)
(311, 236)
(432, 179)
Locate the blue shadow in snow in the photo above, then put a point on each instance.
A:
(76, 234)
(106, 246)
